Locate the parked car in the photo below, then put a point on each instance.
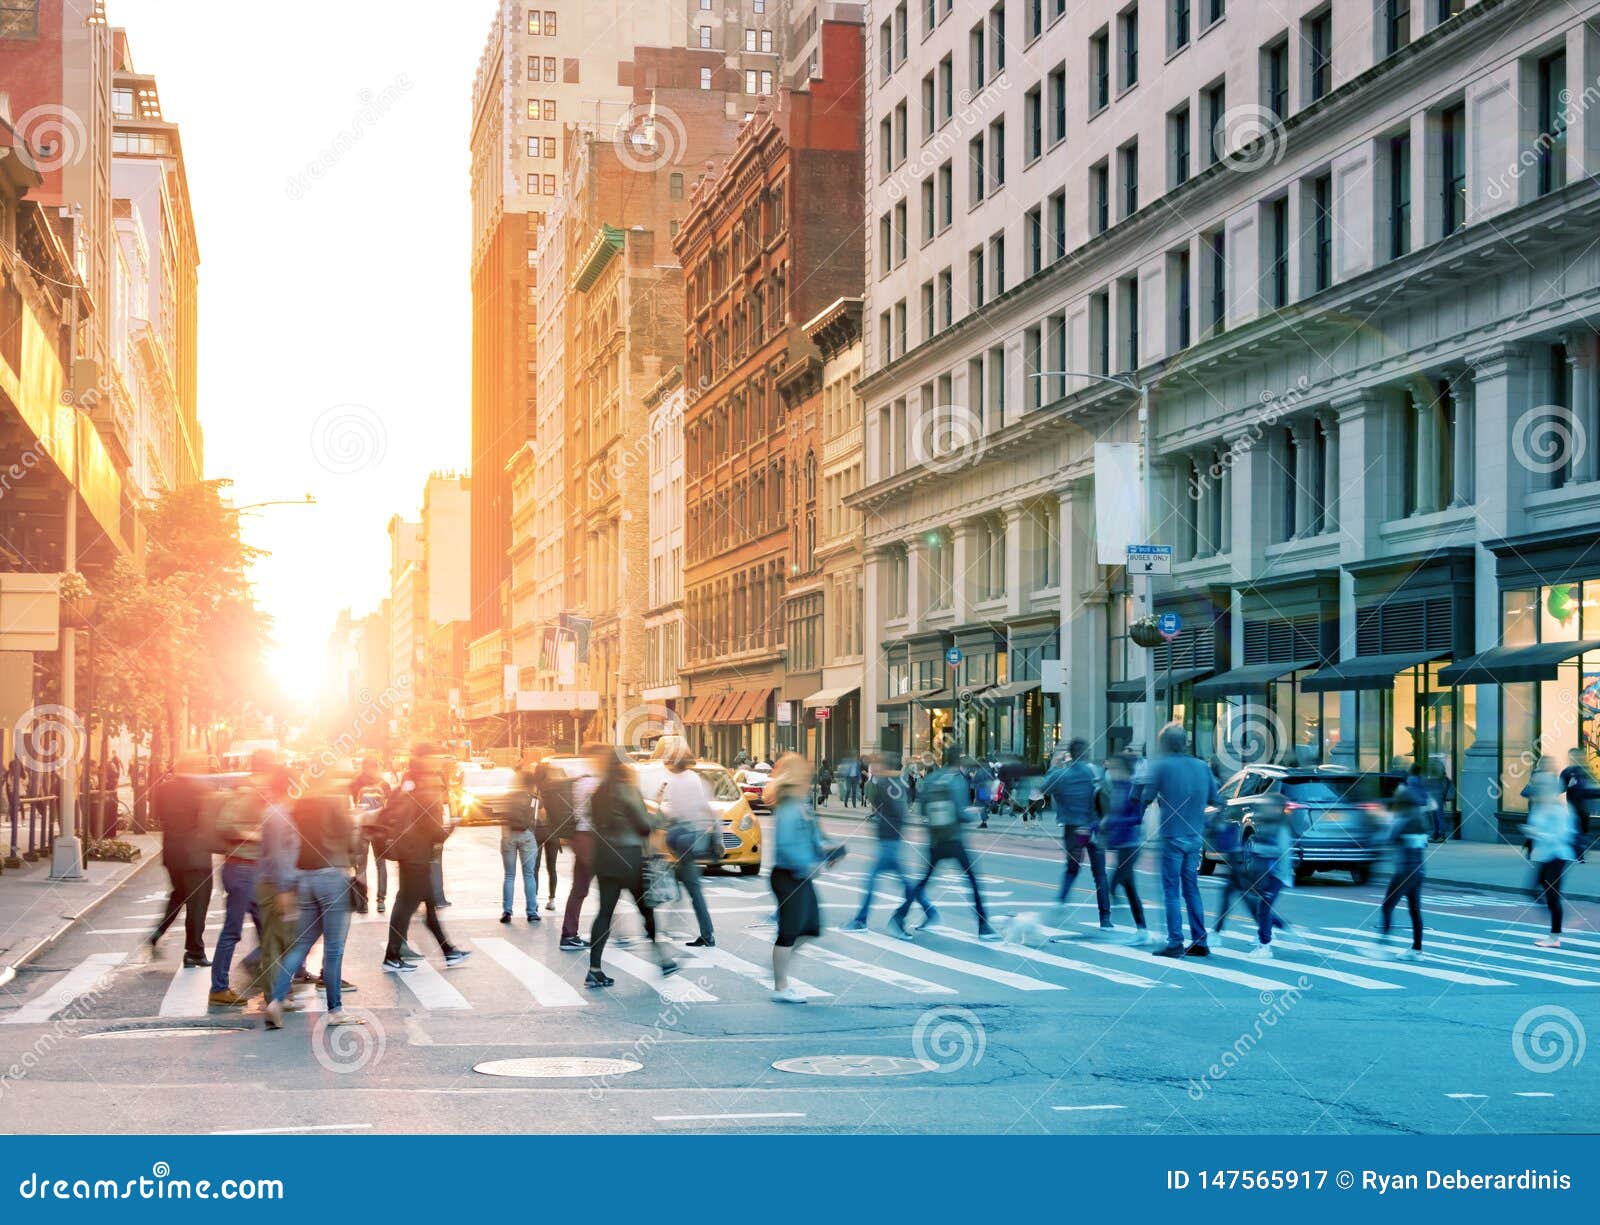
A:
(1339, 817)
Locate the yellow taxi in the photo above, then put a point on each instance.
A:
(741, 832)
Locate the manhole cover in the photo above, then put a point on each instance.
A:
(567, 1068)
(855, 1065)
(195, 1031)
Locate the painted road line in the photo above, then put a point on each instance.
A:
(1431, 941)
(1067, 1109)
(139, 931)
(725, 960)
(294, 1131)
(915, 952)
(1060, 963)
(1539, 932)
(188, 993)
(711, 1118)
(90, 975)
(543, 983)
(1376, 962)
(883, 974)
(1434, 958)
(1580, 959)
(1531, 1094)
(675, 990)
(1312, 971)
(431, 989)
(1185, 965)
(1468, 1097)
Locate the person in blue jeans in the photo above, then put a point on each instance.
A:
(1074, 790)
(886, 799)
(321, 900)
(1182, 787)
(518, 843)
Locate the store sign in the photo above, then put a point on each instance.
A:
(1052, 676)
(823, 713)
(785, 713)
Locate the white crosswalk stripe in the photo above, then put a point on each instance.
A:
(1450, 945)
(1574, 959)
(882, 974)
(915, 952)
(724, 960)
(1303, 966)
(1369, 955)
(1052, 959)
(87, 977)
(187, 993)
(1433, 957)
(543, 983)
(1184, 965)
(675, 990)
(431, 990)
(1533, 933)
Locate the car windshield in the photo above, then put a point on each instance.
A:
(723, 788)
(1334, 789)
(496, 778)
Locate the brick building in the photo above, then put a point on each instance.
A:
(770, 240)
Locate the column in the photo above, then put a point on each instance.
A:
(916, 566)
(1427, 454)
(1083, 619)
(1330, 471)
(1461, 459)
(1304, 434)
(960, 569)
(1361, 490)
(1225, 492)
(1579, 347)
(1016, 520)
(874, 561)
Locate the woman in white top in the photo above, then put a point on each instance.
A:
(1552, 834)
(692, 830)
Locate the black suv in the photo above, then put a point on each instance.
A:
(1340, 817)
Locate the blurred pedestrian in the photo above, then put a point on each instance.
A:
(554, 822)
(582, 789)
(327, 838)
(1269, 859)
(946, 807)
(1409, 811)
(824, 782)
(238, 834)
(1122, 831)
(520, 845)
(277, 878)
(1582, 792)
(621, 830)
(1074, 789)
(886, 801)
(849, 779)
(186, 855)
(693, 832)
(1552, 831)
(369, 792)
(1183, 787)
(798, 855)
(415, 824)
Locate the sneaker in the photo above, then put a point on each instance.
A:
(344, 985)
(1409, 955)
(397, 966)
(669, 968)
(533, 917)
(571, 944)
(598, 978)
(1549, 942)
(930, 916)
(302, 976)
(1143, 938)
(1170, 950)
(505, 916)
(856, 925)
(342, 1017)
(227, 999)
(700, 942)
(455, 957)
(380, 906)
(897, 928)
(1197, 950)
(550, 905)
(192, 963)
(1261, 952)
(989, 934)
(290, 1006)
(274, 1014)
(788, 996)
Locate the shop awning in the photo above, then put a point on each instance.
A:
(829, 697)
(1510, 665)
(1366, 671)
(1011, 689)
(1252, 680)
(1133, 690)
(936, 697)
(745, 706)
(896, 701)
(712, 706)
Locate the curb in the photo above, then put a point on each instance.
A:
(8, 972)
(1514, 890)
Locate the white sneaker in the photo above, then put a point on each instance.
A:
(1261, 952)
(1382, 950)
(788, 996)
(1549, 942)
(1141, 939)
(344, 1018)
(1409, 955)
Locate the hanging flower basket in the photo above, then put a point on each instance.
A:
(1146, 632)
(77, 602)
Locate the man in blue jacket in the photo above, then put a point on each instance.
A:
(1183, 787)
(1074, 790)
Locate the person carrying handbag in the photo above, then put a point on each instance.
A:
(621, 832)
(693, 833)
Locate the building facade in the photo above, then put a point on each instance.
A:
(663, 623)
(1345, 263)
(771, 238)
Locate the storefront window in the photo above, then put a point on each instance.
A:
(1556, 716)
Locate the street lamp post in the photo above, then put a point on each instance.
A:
(1142, 390)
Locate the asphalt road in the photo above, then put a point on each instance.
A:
(941, 1035)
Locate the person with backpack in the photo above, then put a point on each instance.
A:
(518, 844)
(1122, 831)
(1074, 789)
(886, 800)
(369, 792)
(327, 838)
(946, 807)
(414, 829)
(694, 832)
(1582, 791)
(186, 855)
(237, 835)
(1412, 829)
(554, 823)
(1269, 865)
(581, 790)
(621, 830)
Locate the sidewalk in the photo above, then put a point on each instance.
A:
(36, 911)
(1491, 867)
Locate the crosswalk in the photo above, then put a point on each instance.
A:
(520, 969)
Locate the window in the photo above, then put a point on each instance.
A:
(549, 68)
(1099, 71)
(901, 122)
(929, 224)
(533, 185)
(1277, 79)
(549, 110)
(19, 19)
(1032, 364)
(976, 171)
(997, 155)
(535, 73)
(1319, 54)
(975, 270)
(997, 39)
(1321, 232)
(1130, 322)
(1399, 196)
(1217, 250)
(1396, 25)
(947, 194)
(549, 24)
(947, 89)
(1058, 225)
(977, 49)
(1446, 9)
(750, 35)
(1100, 198)
(947, 297)
(1278, 236)
(929, 96)
(929, 324)
(997, 264)
(1180, 24)
(1100, 331)
(1552, 141)
(1033, 240)
(1453, 169)
(535, 22)
(705, 38)
(675, 186)
(901, 225)
(1128, 155)
(885, 244)
(1216, 10)
(705, 78)
(1058, 104)
(1032, 125)
(1216, 104)
(1178, 273)
(1128, 31)
(1178, 137)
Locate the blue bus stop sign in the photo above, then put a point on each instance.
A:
(1169, 623)
(953, 656)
